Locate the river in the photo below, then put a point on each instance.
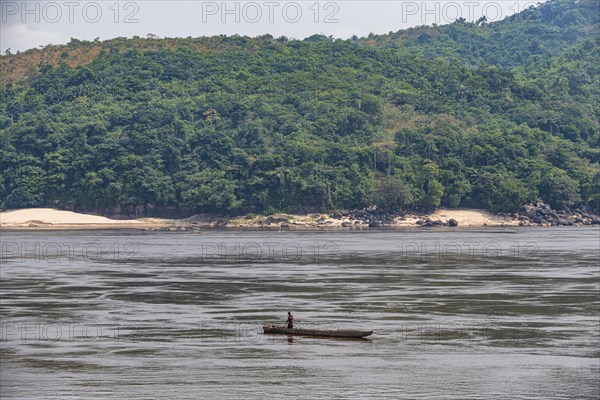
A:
(468, 313)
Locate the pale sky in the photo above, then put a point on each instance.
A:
(30, 24)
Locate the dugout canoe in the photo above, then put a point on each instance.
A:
(334, 333)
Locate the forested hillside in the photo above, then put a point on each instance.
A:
(521, 39)
(475, 115)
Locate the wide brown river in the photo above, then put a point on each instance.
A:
(456, 314)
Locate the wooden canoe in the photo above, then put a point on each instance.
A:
(334, 333)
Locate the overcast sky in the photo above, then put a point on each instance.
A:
(30, 24)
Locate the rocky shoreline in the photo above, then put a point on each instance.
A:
(538, 214)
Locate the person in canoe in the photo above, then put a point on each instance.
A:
(290, 320)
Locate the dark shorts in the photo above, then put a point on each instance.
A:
(290, 326)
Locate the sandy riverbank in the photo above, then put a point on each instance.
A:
(464, 218)
(47, 218)
(473, 218)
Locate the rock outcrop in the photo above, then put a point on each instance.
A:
(541, 214)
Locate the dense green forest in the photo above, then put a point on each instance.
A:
(487, 115)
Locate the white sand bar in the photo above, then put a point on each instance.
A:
(52, 216)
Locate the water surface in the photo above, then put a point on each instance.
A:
(502, 313)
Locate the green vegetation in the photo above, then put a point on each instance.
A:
(476, 115)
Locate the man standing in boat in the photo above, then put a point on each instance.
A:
(290, 320)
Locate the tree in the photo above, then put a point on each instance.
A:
(391, 193)
(211, 116)
(432, 197)
(500, 191)
(28, 189)
(210, 189)
(558, 189)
